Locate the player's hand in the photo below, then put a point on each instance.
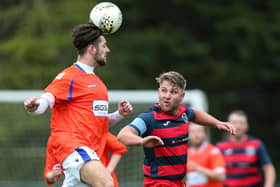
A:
(226, 127)
(192, 165)
(124, 108)
(57, 170)
(31, 104)
(152, 141)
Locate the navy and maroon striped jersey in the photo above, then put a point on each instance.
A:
(167, 161)
(244, 162)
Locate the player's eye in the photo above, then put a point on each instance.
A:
(163, 90)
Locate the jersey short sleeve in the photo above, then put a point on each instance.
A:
(143, 124)
(263, 155)
(190, 113)
(139, 125)
(61, 87)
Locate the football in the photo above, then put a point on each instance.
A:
(107, 16)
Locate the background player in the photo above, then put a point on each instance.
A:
(163, 131)
(245, 156)
(206, 165)
(79, 102)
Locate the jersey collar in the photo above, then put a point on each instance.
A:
(159, 115)
(86, 68)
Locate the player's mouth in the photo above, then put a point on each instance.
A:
(166, 103)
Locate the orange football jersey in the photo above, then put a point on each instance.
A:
(209, 157)
(80, 114)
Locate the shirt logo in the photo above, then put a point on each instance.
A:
(92, 86)
(100, 108)
(185, 117)
(228, 152)
(166, 123)
(60, 75)
(250, 150)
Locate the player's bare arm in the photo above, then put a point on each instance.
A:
(38, 106)
(208, 120)
(269, 175)
(115, 159)
(210, 173)
(124, 109)
(129, 136)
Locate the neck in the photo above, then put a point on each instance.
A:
(86, 61)
(198, 146)
(172, 113)
(238, 139)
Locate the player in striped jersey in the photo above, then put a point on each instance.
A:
(245, 156)
(163, 131)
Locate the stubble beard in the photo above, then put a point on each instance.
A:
(172, 109)
(101, 61)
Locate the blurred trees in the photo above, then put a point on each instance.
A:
(229, 49)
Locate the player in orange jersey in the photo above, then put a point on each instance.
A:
(53, 170)
(206, 166)
(79, 102)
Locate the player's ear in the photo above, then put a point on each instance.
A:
(183, 94)
(91, 49)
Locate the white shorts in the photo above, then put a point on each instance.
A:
(73, 163)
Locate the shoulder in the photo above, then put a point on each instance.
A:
(256, 142)
(189, 111)
(149, 114)
(213, 150)
(66, 73)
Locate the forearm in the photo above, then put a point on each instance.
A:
(269, 175)
(205, 119)
(212, 174)
(113, 162)
(128, 136)
(114, 118)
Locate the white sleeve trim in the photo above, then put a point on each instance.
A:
(49, 97)
(46, 100)
(43, 106)
(114, 117)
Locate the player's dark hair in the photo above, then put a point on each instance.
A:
(84, 35)
(173, 77)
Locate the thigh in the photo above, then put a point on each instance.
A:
(73, 164)
(94, 173)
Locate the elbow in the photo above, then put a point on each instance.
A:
(120, 136)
